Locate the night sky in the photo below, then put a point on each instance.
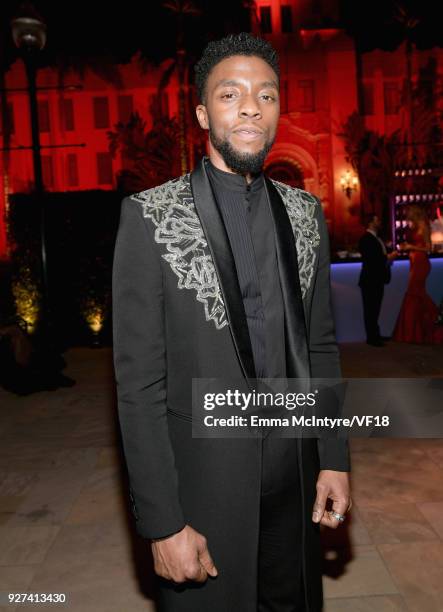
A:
(118, 30)
(373, 24)
(96, 29)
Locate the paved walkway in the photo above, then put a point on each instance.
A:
(64, 526)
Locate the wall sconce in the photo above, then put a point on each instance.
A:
(349, 183)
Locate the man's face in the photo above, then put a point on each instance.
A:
(241, 112)
(376, 223)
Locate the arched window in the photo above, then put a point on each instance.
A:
(286, 172)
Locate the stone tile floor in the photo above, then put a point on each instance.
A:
(65, 527)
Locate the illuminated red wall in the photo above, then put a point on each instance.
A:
(318, 93)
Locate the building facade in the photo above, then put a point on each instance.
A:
(323, 82)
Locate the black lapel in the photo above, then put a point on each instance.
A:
(218, 242)
(297, 356)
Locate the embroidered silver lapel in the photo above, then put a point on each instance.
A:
(300, 206)
(171, 209)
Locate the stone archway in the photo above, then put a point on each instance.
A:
(286, 171)
(296, 161)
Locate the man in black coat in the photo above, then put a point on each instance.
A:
(375, 273)
(223, 273)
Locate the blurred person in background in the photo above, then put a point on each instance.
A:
(417, 321)
(375, 274)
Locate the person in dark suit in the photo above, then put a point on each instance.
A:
(224, 273)
(375, 274)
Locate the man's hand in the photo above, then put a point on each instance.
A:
(183, 556)
(331, 485)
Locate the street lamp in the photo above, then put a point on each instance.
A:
(29, 32)
(29, 35)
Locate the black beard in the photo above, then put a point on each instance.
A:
(240, 163)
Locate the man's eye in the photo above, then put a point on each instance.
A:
(267, 97)
(229, 95)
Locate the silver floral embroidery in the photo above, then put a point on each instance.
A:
(171, 208)
(300, 206)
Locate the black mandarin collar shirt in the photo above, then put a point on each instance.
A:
(249, 225)
(235, 183)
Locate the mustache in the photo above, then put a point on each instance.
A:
(269, 141)
(239, 161)
(248, 128)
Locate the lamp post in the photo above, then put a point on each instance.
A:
(29, 35)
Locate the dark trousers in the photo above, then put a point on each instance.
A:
(279, 563)
(372, 297)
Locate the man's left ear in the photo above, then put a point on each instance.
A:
(202, 116)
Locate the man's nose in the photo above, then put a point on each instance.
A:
(249, 108)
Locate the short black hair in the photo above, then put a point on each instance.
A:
(368, 218)
(234, 44)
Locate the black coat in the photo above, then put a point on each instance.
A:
(178, 314)
(375, 269)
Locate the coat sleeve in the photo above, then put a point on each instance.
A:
(140, 372)
(323, 349)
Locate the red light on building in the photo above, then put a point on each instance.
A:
(319, 91)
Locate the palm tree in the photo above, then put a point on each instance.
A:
(181, 9)
(425, 130)
(374, 158)
(408, 22)
(151, 155)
